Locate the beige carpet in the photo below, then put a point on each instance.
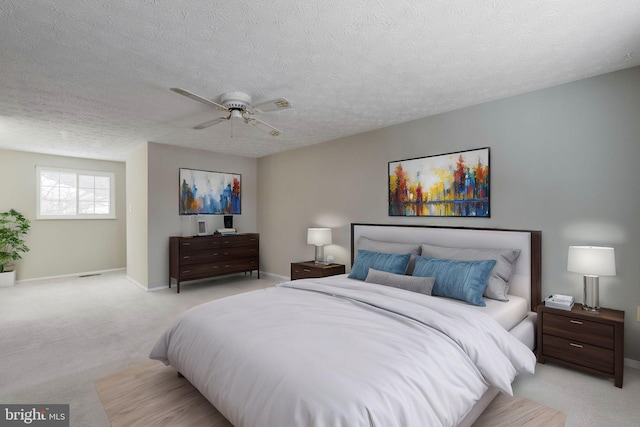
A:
(153, 394)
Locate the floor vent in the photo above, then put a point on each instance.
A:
(89, 275)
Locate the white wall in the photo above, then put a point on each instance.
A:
(62, 247)
(137, 216)
(564, 160)
(164, 162)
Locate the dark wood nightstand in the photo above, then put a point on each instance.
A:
(591, 342)
(309, 269)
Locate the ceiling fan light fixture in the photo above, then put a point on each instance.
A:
(235, 100)
(237, 104)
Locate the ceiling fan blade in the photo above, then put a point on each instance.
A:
(198, 98)
(272, 105)
(211, 123)
(264, 127)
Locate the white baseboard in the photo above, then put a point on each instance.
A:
(632, 363)
(187, 283)
(159, 288)
(143, 287)
(62, 276)
(135, 282)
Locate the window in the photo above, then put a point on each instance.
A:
(75, 194)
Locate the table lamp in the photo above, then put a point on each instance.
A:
(319, 237)
(592, 261)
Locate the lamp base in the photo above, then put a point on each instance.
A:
(591, 299)
(320, 255)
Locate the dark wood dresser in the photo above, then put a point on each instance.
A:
(591, 342)
(201, 257)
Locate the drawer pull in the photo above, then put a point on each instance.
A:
(186, 244)
(186, 257)
(186, 271)
(577, 322)
(575, 345)
(306, 270)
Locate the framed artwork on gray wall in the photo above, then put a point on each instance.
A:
(446, 185)
(206, 192)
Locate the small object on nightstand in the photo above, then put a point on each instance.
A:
(309, 269)
(562, 302)
(591, 342)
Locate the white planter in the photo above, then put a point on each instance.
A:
(8, 278)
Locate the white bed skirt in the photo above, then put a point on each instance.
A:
(525, 331)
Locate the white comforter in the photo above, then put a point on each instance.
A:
(338, 352)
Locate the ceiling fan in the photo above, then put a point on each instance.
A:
(237, 104)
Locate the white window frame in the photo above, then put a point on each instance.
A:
(78, 172)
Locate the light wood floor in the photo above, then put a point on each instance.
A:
(507, 411)
(153, 394)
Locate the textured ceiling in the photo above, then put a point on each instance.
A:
(91, 79)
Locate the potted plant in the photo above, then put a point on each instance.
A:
(13, 226)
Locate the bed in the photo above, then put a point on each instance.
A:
(342, 351)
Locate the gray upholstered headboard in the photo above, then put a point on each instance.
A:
(526, 281)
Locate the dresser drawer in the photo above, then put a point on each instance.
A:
(585, 331)
(216, 242)
(190, 256)
(197, 271)
(238, 240)
(577, 352)
(234, 265)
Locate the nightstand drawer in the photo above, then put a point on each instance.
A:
(299, 272)
(578, 352)
(585, 331)
(308, 270)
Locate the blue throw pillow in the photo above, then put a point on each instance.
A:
(462, 280)
(391, 263)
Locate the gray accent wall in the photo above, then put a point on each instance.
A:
(564, 160)
(163, 163)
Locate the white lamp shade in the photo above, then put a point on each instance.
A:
(594, 260)
(319, 236)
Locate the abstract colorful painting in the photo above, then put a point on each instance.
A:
(204, 192)
(452, 184)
